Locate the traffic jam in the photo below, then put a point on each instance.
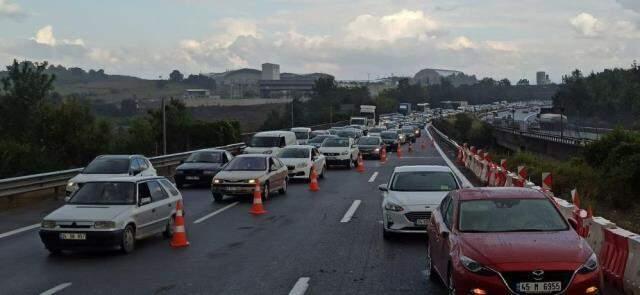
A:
(479, 240)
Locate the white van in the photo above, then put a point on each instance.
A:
(302, 134)
(270, 142)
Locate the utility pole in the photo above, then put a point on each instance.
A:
(292, 101)
(164, 127)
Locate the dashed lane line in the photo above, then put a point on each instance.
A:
(373, 177)
(351, 211)
(212, 214)
(19, 230)
(300, 287)
(56, 289)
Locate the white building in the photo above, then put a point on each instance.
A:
(270, 71)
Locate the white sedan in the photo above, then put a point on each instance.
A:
(299, 160)
(413, 192)
(340, 151)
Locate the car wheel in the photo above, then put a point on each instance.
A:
(432, 272)
(265, 192)
(283, 190)
(349, 164)
(217, 197)
(128, 243)
(168, 230)
(450, 285)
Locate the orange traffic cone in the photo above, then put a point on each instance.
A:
(410, 147)
(399, 151)
(257, 207)
(313, 184)
(360, 164)
(179, 238)
(383, 155)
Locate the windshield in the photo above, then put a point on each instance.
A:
(389, 135)
(369, 141)
(107, 166)
(510, 215)
(302, 135)
(247, 164)
(319, 139)
(265, 141)
(105, 193)
(357, 122)
(347, 133)
(423, 181)
(407, 130)
(294, 153)
(336, 142)
(205, 157)
(375, 130)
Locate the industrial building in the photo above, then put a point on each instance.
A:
(542, 78)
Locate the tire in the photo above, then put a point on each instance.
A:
(217, 197)
(283, 190)
(433, 276)
(128, 243)
(265, 192)
(168, 230)
(451, 288)
(349, 164)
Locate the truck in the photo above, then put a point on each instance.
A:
(369, 112)
(404, 108)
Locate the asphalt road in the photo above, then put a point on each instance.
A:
(233, 252)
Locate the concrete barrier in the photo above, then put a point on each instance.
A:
(597, 225)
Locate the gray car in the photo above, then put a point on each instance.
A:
(112, 213)
(240, 176)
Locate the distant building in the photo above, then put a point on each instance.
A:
(542, 78)
(197, 93)
(270, 71)
(427, 77)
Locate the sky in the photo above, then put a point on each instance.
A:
(350, 39)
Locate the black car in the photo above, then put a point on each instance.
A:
(200, 167)
(390, 139)
(409, 133)
(370, 146)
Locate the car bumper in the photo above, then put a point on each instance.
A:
(337, 159)
(299, 173)
(399, 222)
(370, 153)
(94, 240)
(233, 189)
(193, 179)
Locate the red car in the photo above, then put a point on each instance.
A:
(508, 241)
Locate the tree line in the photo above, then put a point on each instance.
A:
(42, 133)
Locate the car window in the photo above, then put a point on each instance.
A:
(294, 153)
(424, 181)
(265, 141)
(135, 165)
(510, 215)
(448, 217)
(157, 192)
(143, 191)
(144, 164)
(247, 164)
(169, 186)
(205, 157)
(106, 165)
(105, 193)
(275, 164)
(444, 204)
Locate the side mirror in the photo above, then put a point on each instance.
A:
(383, 187)
(145, 201)
(573, 223)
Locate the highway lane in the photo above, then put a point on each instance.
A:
(236, 253)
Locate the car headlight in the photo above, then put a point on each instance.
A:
(104, 225)
(589, 266)
(48, 224)
(179, 171)
(72, 185)
(391, 206)
(376, 150)
(473, 266)
(344, 153)
(302, 165)
(267, 152)
(209, 172)
(217, 181)
(251, 181)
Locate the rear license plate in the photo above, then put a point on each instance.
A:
(539, 287)
(192, 177)
(421, 222)
(73, 236)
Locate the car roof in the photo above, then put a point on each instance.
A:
(119, 156)
(126, 179)
(272, 133)
(416, 168)
(297, 146)
(210, 150)
(483, 193)
(253, 156)
(300, 129)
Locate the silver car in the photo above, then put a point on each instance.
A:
(112, 213)
(243, 172)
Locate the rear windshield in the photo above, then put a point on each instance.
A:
(319, 139)
(107, 166)
(336, 142)
(389, 135)
(302, 135)
(265, 141)
(376, 130)
(205, 157)
(247, 164)
(105, 193)
(369, 141)
(294, 153)
(423, 181)
(346, 133)
(510, 215)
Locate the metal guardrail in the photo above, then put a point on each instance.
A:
(52, 180)
(546, 136)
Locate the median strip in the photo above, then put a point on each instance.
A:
(212, 214)
(352, 210)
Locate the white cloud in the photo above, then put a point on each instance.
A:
(587, 25)
(501, 46)
(45, 36)
(630, 4)
(459, 43)
(11, 10)
(389, 28)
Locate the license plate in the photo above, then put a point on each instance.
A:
(73, 236)
(539, 287)
(192, 178)
(331, 158)
(421, 222)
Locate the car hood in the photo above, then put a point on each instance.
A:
(333, 149)
(259, 150)
(82, 178)
(294, 161)
(417, 198)
(200, 166)
(240, 175)
(78, 212)
(515, 251)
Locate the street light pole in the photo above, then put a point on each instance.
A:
(292, 100)
(164, 127)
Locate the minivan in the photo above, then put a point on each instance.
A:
(270, 142)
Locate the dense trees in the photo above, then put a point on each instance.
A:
(176, 76)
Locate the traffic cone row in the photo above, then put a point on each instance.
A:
(179, 238)
(257, 208)
(383, 155)
(313, 183)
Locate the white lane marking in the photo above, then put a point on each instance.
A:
(300, 287)
(56, 289)
(373, 177)
(351, 211)
(19, 230)
(425, 157)
(463, 179)
(212, 214)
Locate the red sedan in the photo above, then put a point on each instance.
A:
(508, 241)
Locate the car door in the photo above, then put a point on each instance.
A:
(145, 214)
(278, 175)
(445, 242)
(162, 205)
(435, 239)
